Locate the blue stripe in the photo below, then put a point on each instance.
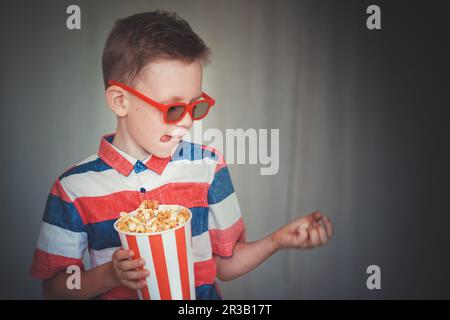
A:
(199, 223)
(101, 235)
(221, 187)
(96, 165)
(192, 151)
(62, 214)
(207, 292)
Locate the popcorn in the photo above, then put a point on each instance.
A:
(148, 218)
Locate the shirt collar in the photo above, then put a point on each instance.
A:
(125, 163)
(129, 157)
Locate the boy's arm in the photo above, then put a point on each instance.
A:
(94, 282)
(308, 232)
(246, 257)
(123, 270)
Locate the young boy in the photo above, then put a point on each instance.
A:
(152, 61)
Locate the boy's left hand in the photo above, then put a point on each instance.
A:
(308, 232)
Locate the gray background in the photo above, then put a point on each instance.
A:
(362, 118)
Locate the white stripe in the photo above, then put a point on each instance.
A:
(172, 265)
(189, 171)
(99, 257)
(225, 213)
(205, 161)
(124, 242)
(189, 243)
(140, 297)
(146, 253)
(202, 247)
(62, 242)
(125, 245)
(93, 184)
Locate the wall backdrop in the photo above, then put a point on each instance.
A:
(362, 117)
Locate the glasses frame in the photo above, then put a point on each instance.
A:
(164, 108)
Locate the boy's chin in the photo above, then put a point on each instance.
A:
(165, 151)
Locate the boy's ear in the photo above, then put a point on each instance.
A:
(117, 100)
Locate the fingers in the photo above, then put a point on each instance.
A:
(302, 236)
(314, 239)
(134, 279)
(122, 254)
(316, 215)
(123, 260)
(320, 229)
(128, 270)
(322, 234)
(135, 275)
(308, 232)
(311, 219)
(328, 226)
(135, 284)
(125, 265)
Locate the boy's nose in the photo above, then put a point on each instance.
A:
(186, 121)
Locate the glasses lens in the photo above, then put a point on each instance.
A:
(174, 113)
(200, 109)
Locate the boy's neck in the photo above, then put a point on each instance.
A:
(124, 142)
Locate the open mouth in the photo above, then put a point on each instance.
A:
(167, 138)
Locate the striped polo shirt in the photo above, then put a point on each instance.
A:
(86, 200)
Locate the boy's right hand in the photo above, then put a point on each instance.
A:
(128, 271)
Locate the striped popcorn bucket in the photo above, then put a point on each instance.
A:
(168, 257)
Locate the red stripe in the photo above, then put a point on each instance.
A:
(108, 207)
(98, 209)
(183, 262)
(132, 245)
(159, 261)
(46, 265)
(223, 241)
(205, 272)
(120, 293)
(58, 190)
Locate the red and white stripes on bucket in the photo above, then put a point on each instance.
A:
(168, 257)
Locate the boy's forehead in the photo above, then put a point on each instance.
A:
(171, 80)
(173, 67)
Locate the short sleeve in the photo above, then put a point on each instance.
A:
(62, 238)
(225, 223)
